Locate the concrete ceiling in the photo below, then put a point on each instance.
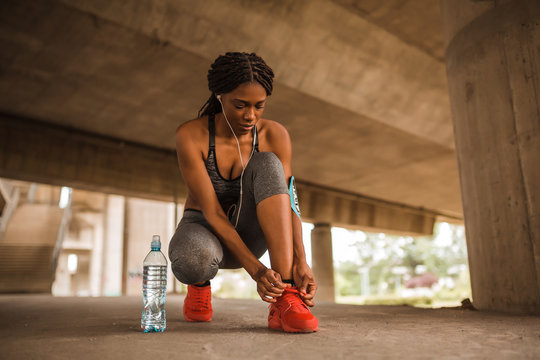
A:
(360, 85)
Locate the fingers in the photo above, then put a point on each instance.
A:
(270, 290)
(272, 283)
(275, 279)
(308, 299)
(312, 289)
(266, 298)
(270, 286)
(303, 286)
(266, 295)
(310, 294)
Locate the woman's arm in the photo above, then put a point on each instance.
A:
(192, 167)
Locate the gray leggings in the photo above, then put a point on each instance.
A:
(195, 251)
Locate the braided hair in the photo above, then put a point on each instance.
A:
(231, 70)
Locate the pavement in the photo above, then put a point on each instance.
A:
(46, 327)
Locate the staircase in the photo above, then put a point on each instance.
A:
(29, 245)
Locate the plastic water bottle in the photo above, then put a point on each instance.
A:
(154, 289)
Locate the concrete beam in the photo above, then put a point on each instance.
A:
(325, 205)
(316, 47)
(38, 152)
(415, 22)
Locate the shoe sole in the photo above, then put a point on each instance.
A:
(196, 320)
(192, 319)
(289, 329)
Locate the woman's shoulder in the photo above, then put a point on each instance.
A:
(273, 136)
(272, 128)
(191, 135)
(193, 128)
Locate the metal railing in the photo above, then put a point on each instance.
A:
(11, 194)
(66, 217)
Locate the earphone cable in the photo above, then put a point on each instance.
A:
(241, 160)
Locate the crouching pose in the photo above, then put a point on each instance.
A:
(242, 201)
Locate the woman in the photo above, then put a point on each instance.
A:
(237, 167)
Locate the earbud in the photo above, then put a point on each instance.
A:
(219, 97)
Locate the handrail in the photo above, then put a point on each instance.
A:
(11, 194)
(61, 235)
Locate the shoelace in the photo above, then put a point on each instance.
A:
(291, 300)
(201, 299)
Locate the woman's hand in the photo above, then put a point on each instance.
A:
(269, 284)
(305, 282)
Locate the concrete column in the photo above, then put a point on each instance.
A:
(125, 245)
(144, 219)
(113, 247)
(96, 259)
(322, 261)
(493, 67)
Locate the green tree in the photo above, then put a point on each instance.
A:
(444, 254)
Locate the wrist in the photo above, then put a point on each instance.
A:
(257, 271)
(299, 260)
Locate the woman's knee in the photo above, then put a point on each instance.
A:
(267, 162)
(268, 176)
(191, 270)
(195, 254)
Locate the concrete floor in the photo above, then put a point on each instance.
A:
(44, 327)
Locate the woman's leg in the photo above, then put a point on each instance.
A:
(265, 216)
(195, 254)
(194, 251)
(274, 216)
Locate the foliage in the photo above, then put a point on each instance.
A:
(392, 300)
(390, 260)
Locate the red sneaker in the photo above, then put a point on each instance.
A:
(198, 303)
(290, 314)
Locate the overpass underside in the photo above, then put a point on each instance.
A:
(354, 106)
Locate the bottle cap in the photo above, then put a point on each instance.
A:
(155, 242)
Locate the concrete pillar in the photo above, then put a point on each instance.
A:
(174, 214)
(145, 218)
(113, 246)
(96, 260)
(322, 261)
(125, 246)
(493, 67)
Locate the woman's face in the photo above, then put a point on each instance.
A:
(244, 106)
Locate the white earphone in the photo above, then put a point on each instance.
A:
(239, 153)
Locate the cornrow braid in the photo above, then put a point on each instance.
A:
(231, 70)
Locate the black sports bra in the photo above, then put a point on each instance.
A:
(227, 191)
